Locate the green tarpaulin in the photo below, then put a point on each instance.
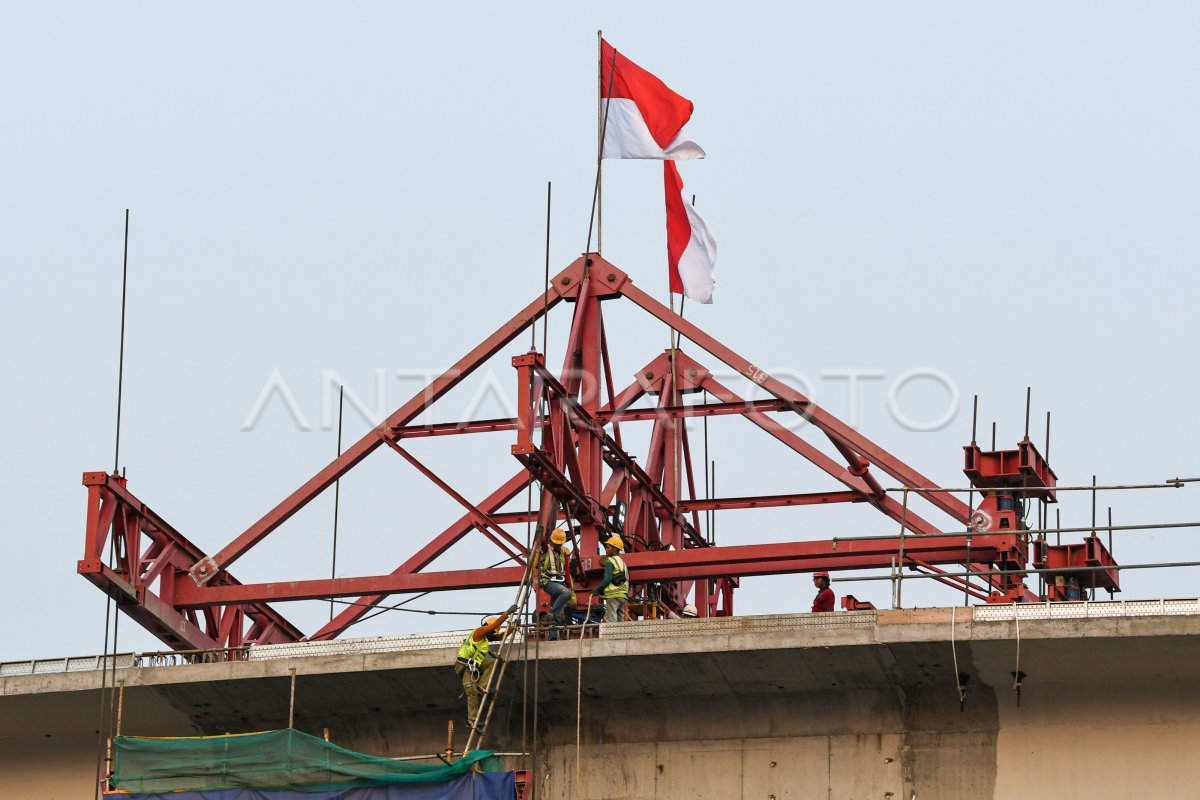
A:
(275, 759)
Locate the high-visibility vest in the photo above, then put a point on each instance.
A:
(611, 591)
(554, 566)
(471, 650)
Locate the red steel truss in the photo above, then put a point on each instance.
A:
(568, 441)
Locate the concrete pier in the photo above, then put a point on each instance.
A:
(843, 705)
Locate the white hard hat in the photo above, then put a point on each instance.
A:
(690, 611)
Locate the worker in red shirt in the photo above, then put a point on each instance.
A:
(824, 599)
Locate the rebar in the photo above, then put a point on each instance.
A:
(546, 284)
(292, 700)
(900, 553)
(1028, 402)
(121, 352)
(337, 496)
(120, 704)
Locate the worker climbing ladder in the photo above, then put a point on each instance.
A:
(495, 678)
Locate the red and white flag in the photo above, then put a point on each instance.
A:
(643, 117)
(691, 246)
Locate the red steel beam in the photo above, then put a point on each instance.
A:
(602, 417)
(583, 419)
(212, 604)
(718, 504)
(500, 537)
(953, 581)
(425, 556)
(771, 501)
(456, 428)
(207, 568)
(912, 521)
(517, 517)
(874, 552)
(111, 505)
(608, 380)
(149, 611)
(699, 562)
(822, 419)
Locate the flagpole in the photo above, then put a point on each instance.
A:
(673, 342)
(599, 140)
(592, 216)
(674, 337)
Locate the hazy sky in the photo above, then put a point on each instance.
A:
(1004, 193)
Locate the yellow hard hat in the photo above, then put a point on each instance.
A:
(559, 536)
(615, 541)
(490, 620)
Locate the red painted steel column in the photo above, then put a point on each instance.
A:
(590, 379)
(528, 399)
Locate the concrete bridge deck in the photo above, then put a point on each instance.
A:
(844, 705)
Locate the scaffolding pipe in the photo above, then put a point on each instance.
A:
(992, 572)
(1176, 484)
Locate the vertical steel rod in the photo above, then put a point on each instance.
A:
(1028, 401)
(600, 138)
(121, 352)
(292, 701)
(1110, 543)
(672, 342)
(707, 470)
(112, 699)
(678, 423)
(974, 417)
(714, 491)
(107, 764)
(1041, 523)
(900, 556)
(1046, 455)
(993, 436)
(967, 579)
(120, 704)
(525, 699)
(537, 682)
(337, 496)
(546, 282)
(1093, 505)
(108, 604)
(974, 427)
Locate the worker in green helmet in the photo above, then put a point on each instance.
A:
(614, 587)
(475, 661)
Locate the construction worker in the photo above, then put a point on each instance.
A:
(554, 578)
(614, 588)
(824, 598)
(475, 660)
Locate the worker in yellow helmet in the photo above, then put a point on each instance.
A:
(475, 660)
(554, 577)
(614, 588)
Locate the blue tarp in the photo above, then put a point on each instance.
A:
(472, 786)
